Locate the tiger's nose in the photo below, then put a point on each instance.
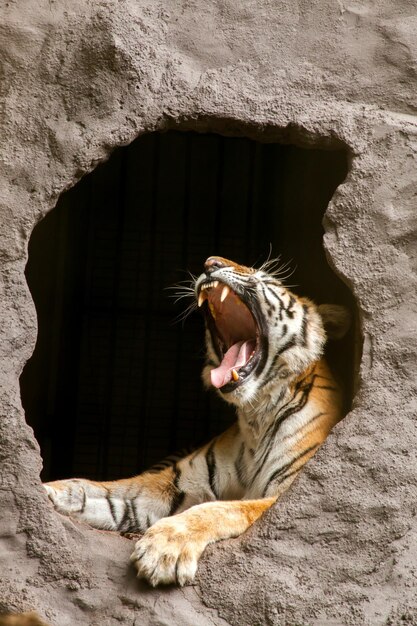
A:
(213, 263)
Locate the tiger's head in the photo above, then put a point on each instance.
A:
(258, 333)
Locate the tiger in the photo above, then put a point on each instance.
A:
(21, 619)
(264, 355)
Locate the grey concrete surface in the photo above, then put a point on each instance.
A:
(79, 78)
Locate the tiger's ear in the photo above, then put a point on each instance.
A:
(336, 319)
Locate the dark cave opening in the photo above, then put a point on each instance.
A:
(113, 384)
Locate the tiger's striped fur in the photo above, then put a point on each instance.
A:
(287, 402)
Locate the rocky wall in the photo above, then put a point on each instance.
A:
(80, 78)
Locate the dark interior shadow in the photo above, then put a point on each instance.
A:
(113, 385)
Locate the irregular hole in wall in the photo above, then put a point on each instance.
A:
(113, 384)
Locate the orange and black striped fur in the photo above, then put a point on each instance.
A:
(264, 355)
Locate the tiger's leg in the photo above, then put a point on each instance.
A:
(125, 505)
(134, 504)
(170, 550)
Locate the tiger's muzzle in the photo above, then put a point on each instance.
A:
(235, 322)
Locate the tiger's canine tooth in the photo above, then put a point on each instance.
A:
(225, 293)
(235, 375)
(201, 298)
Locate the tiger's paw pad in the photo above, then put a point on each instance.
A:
(67, 496)
(167, 553)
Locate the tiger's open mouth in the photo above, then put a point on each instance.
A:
(233, 322)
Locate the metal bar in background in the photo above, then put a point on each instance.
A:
(142, 442)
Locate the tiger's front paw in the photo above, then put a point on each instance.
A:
(67, 496)
(168, 553)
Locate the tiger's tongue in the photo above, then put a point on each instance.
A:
(235, 357)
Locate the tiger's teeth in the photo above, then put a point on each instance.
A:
(225, 293)
(215, 284)
(235, 375)
(201, 298)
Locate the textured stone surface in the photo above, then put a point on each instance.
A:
(80, 78)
